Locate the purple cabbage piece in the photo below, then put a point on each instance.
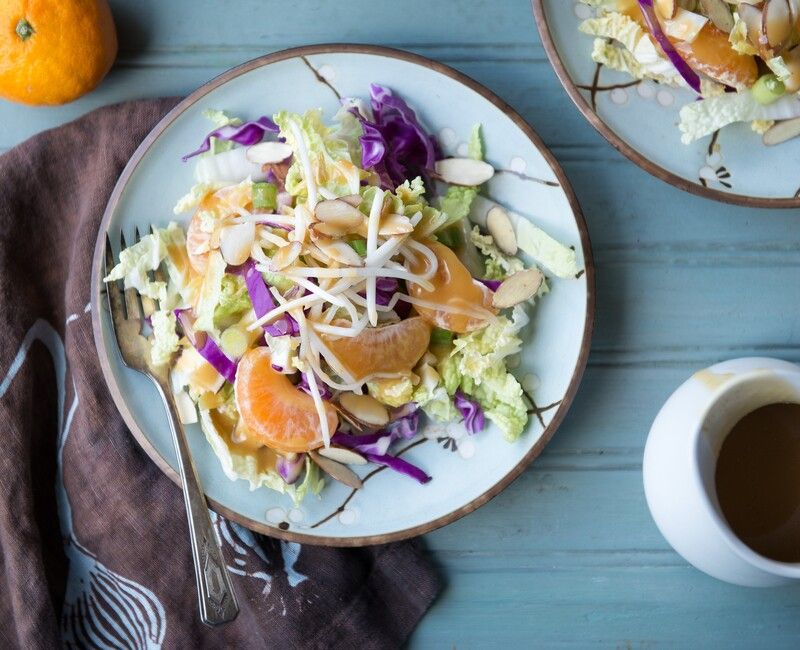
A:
(374, 443)
(373, 446)
(403, 426)
(405, 422)
(389, 285)
(471, 411)
(385, 290)
(263, 301)
(281, 226)
(290, 467)
(304, 386)
(399, 465)
(492, 284)
(211, 352)
(683, 68)
(247, 134)
(394, 145)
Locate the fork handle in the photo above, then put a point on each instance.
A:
(217, 599)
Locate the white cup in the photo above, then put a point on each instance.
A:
(680, 461)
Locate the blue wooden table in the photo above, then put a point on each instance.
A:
(568, 555)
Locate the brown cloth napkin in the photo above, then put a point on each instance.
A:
(93, 539)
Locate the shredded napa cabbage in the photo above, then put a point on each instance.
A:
(137, 262)
(220, 119)
(233, 301)
(283, 350)
(702, 118)
(650, 62)
(210, 294)
(195, 195)
(245, 466)
(498, 265)
(738, 37)
(477, 367)
(392, 392)
(328, 151)
(165, 338)
(475, 144)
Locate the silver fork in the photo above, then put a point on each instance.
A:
(217, 600)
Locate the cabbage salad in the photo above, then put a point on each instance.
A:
(328, 288)
(741, 58)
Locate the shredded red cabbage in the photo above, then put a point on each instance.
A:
(403, 426)
(492, 284)
(281, 226)
(211, 352)
(385, 290)
(373, 446)
(399, 465)
(394, 145)
(263, 301)
(405, 422)
(290, 467)
(471, 411)
(303, 385)
(247, 134)
(683, 68)
(206, 346)
(374, 443)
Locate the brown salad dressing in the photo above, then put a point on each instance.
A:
(758, 481)
(265, 457)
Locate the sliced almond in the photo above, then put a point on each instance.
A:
(518, 288)
(356, 426)
(752, 18)
(719, 13)
(794, 7)
(365, 408)
(777, 23)
(343, 455)
(337, 249)
(341, 473)
(236, 242)
(338, 213)
(782, 131)
(286, 255)
(268, 153)
(501, 229)
(351, 199)
(328, 230)
(463, 171)
(791, 59)
(666, 8)
(395, 224)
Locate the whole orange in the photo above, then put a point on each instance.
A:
(54, 51)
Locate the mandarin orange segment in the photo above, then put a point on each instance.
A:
(274, 412)
(394, 348)
(712, 55)
(453, 286)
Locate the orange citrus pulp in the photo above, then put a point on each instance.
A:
(274, 412)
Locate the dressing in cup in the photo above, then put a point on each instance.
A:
(722, 471)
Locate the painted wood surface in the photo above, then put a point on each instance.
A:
(568, 555)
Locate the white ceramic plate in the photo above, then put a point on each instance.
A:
(640, 120)
(467, 470)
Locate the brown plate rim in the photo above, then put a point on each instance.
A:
(626, 149)
(328, 48)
